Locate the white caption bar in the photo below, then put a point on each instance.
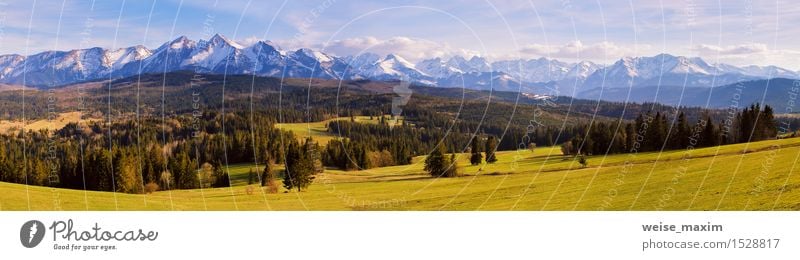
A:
(400, 235)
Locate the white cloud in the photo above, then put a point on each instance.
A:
(576, 50)
(748, 54)
(249, 41)
(412, 49)
(707, 50)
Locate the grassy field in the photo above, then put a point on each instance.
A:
(59, 122)
(319, 130)
(754, 176)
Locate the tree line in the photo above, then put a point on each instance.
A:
(656, 132)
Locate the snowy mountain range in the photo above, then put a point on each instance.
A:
(222, 55)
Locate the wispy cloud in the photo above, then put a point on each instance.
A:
(731, 50)
(577, 50)
(746, 54)
(412, 49)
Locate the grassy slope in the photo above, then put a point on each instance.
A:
(62, 120)
(541, 180)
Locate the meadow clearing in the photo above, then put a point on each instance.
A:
(8, 126)
(319, 130)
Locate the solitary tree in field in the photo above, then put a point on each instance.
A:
(436, 163)
(491, 145)
(476, 157)
(299, 168)
(582, 161)
(452, 169)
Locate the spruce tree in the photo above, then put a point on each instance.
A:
(221, 178)
(630, 138)
(680, 136)
(491, 145)
(452, 169)
(299, 168)
(436, 164)
(476, 157)
(709, 135)
(768, 127)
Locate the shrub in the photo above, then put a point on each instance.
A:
(150, 187)
(582, 161)
(272, 187)
(566, 148)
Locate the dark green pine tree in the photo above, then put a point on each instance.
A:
(101, 166)
(630, 138)
(363, 158)
(709, 136)
(680, 137)
(657, 133)
(452, 167)
(221, 178)
(299, 168)
(476, 157)
(183, 171)
(769, 128)
(640, 134)
(436, 164)
(491, 145)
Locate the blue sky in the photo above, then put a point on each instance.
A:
(736, 32)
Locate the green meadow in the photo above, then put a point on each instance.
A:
(752, 176)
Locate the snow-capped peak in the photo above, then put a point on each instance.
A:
(438, 68)
(181, 42)
(474, 64)
(316, 55)
(397, 61)
(647, 67)
(222, 55)
(119, 57)
(390, 67)
(582, 70)
(769, 72)
(218, 39)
